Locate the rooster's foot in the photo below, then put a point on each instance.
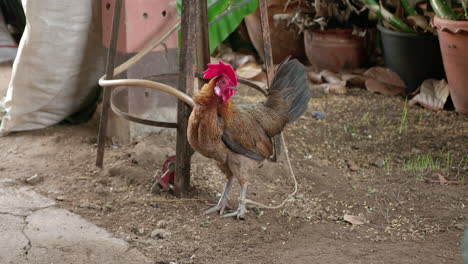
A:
(220, 207)
(239, 213)
(223, 201)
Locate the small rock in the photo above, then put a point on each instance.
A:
(379, 163)
(160, 233)
(460, 226)
(33, 179)
(352, 166)
(162, 224)
(60, 198)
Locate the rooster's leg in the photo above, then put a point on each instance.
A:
(241, 210)
(222, 203)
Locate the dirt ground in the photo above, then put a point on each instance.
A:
(365, 158)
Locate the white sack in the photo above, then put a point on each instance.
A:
(8, 46)
(60, 59)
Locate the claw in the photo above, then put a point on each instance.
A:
(223, 201)
(239, 213)
(241, 209)
(220, 207)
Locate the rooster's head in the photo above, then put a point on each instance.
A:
(226, 79)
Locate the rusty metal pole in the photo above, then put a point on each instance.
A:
(107, 90)
(266, 40)
(186, 82)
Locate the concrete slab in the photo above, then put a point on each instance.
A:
(14, 243)
(34, 231)
(22, 201)
(59, 236)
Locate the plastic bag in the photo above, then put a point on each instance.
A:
(60, 59)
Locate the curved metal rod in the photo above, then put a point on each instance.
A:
(253, 85)
(124, 115)
(149, 84)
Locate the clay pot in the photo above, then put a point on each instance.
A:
(453, 38)
(335, 49)
(285, 40)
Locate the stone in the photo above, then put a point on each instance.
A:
(352, 166)
(162, 224)
(160, 233)
(379, 163)
(33, 179)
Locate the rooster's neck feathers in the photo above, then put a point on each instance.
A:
(208, 98)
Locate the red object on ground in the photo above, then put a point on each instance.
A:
(167, 179)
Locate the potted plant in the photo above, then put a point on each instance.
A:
(410, 46)
(452, 28)
(336, 34)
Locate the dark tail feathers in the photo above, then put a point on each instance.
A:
(291, 81)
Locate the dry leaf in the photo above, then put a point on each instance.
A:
(384, 81)
(315, 77)
(354, 220)
(382, 88)
(233, 58)
(329, 88)
(432, 94)
(442, 179)
(419, 21)
(388, 25)
(331, 77)
(354, 79)
(249, 70)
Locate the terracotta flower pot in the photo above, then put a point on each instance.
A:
(285, 40)
(453, 38)
(335, 49)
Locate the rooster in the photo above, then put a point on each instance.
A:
(238, 137)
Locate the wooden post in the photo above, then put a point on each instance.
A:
(186, 81)
(266, 40)
(268, 63)
(107, 90)
(203, 42)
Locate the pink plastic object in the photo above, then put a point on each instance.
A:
(141, 21)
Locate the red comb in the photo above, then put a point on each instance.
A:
(221, 69)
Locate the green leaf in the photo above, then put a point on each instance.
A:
(223, 17)
(381, 12)
(443, 10)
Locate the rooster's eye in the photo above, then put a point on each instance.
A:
(223, 82)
